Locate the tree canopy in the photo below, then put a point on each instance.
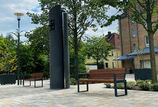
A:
(39, 40)
(7, 55)
(98, 48)
(82, 14)
(143, 12)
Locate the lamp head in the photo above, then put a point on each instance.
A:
(18, 15)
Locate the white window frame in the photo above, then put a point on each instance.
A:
(133, 33)
(146, 44)
(145, 64)
(134, 46)
(133, 22)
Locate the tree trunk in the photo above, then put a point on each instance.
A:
(151, 41)
(152, 58)
(97, 63)
(76, 55)
(97, 59)
(75, 39)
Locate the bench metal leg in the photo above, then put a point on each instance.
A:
(42, 82)
(125, 88)
(87, 86)
(115, 88)
(35, 83)
(26, 85)
(78, 87)
(38, 80)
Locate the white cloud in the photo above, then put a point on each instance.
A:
(112, 28)
(8, 21)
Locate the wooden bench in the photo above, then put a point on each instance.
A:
(116, 75)
(34, 77)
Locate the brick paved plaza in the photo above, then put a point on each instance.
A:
(98, 96)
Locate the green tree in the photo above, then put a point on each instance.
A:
(82, 14)
(81, 61)
(98, 48)
(144, 12)
(7, 55)
(38, 50)
(39, 40)
(27, 64)
(34, 63)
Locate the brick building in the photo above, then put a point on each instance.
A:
(135, 45)
(113, 39)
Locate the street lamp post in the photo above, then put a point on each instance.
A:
(102, 59)
(18, 51)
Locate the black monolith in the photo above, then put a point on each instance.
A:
(59, 50)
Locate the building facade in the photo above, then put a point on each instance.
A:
(114, 40)
(135, 42)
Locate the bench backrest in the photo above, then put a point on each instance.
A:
(37, 75)
(106, 73)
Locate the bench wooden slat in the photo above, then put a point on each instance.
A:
(115, 76)
(97, 80)
(104, 75)
(37, 75)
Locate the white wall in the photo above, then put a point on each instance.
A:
(90, 67)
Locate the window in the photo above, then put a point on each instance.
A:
(147, 41)
(145, 64)
(112, 54)
(106, 65)
(134, 46)
(113, 65)
(132, 22)
(134, 33)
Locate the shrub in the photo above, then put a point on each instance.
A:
(139, 82)
(130, 84)
(120, 85)
(148, 81)
(73, 81)
(144, 85)
(108, 85)
(155, 86)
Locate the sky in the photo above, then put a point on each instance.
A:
(8, 21)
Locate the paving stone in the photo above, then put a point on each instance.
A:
(98, 96)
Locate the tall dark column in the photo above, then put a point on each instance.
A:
(18, 51)
(66, 52)
(59, 52)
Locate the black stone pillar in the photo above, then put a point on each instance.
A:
(59, 51)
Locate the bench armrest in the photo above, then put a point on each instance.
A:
(83, 76)
(116, 75)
